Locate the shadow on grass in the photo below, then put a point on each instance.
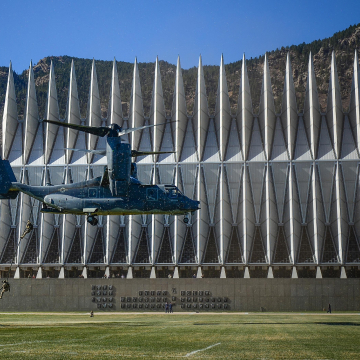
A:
(338, 323)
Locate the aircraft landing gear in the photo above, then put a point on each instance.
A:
(186, 219)
(92, 220)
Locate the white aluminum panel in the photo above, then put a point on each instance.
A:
(188, 153)
(10, 121)
(93, 111)
(57, 175)
(211, 174)
(201, 112)
(179, 111)
(334, 108)
(354, 108)
(115, 114)
(279, 151)
(58, 151)
(339, 216)
(223, 215)
(136, 111)
(79, 157)
(167, 145)
(31, 116)
(357, 208)
(292, 216)
(350, 177)
(256, 150)
(280, 177)
(289, 116)
(234, 173)
(72, 114)
(257, 179)
(325, 151)
(244, 115)
(348, 146)
(270, 215)
(267, 111)
(47, 229)
(25, 215)
(5, 223)
(51, 113)
(233, 152)
(247, 215)
(145, 145)
(201, 224)
(303, 178)
(166, 174)
(112, 229)
(211, 151)
(101, 145)
(145, 173)
(312, 117)
(157, 111)
(302, 149)
(326, 173)
(37, 151)
(69, 227)
(15, 155)
(222, 111)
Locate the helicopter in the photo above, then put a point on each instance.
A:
(117, 192)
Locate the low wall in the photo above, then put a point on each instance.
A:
(186, 294)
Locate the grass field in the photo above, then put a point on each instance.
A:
(166, 336)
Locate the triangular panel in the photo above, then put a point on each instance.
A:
(188, 251)
(97, 251)
(165, 254)
(211, 152)
(188, 153)
(120, 251)
(142, 255)
(234, 254)
(75, 253)
(281, 252)
(256, 150)
(329, 254)
(353, 250)
(211, 253)
(53, 251)
(280, 175)
(258, 251)
(305, 253)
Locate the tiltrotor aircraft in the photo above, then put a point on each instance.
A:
(116, 192)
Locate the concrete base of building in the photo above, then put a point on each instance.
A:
(228, 294)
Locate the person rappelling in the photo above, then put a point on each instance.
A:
(4, 288)
(5, 284)
(28, 228)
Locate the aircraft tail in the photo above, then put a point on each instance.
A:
(7, 176)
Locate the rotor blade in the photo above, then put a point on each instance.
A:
(99, 152)
(99, 131)
(128, 131)
(135, 153)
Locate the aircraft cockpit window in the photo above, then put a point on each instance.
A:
(173, 193)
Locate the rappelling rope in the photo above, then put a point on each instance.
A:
(30, 226)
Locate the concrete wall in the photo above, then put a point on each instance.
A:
(236, 294)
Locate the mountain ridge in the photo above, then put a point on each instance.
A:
(343, 43)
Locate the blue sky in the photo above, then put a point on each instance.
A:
(147, 28)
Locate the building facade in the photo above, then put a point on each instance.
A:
(279, 193)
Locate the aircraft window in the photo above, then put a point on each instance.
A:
(173, 193)
(92, 192)
(151, 194)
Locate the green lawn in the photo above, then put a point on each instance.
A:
(164, 336)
